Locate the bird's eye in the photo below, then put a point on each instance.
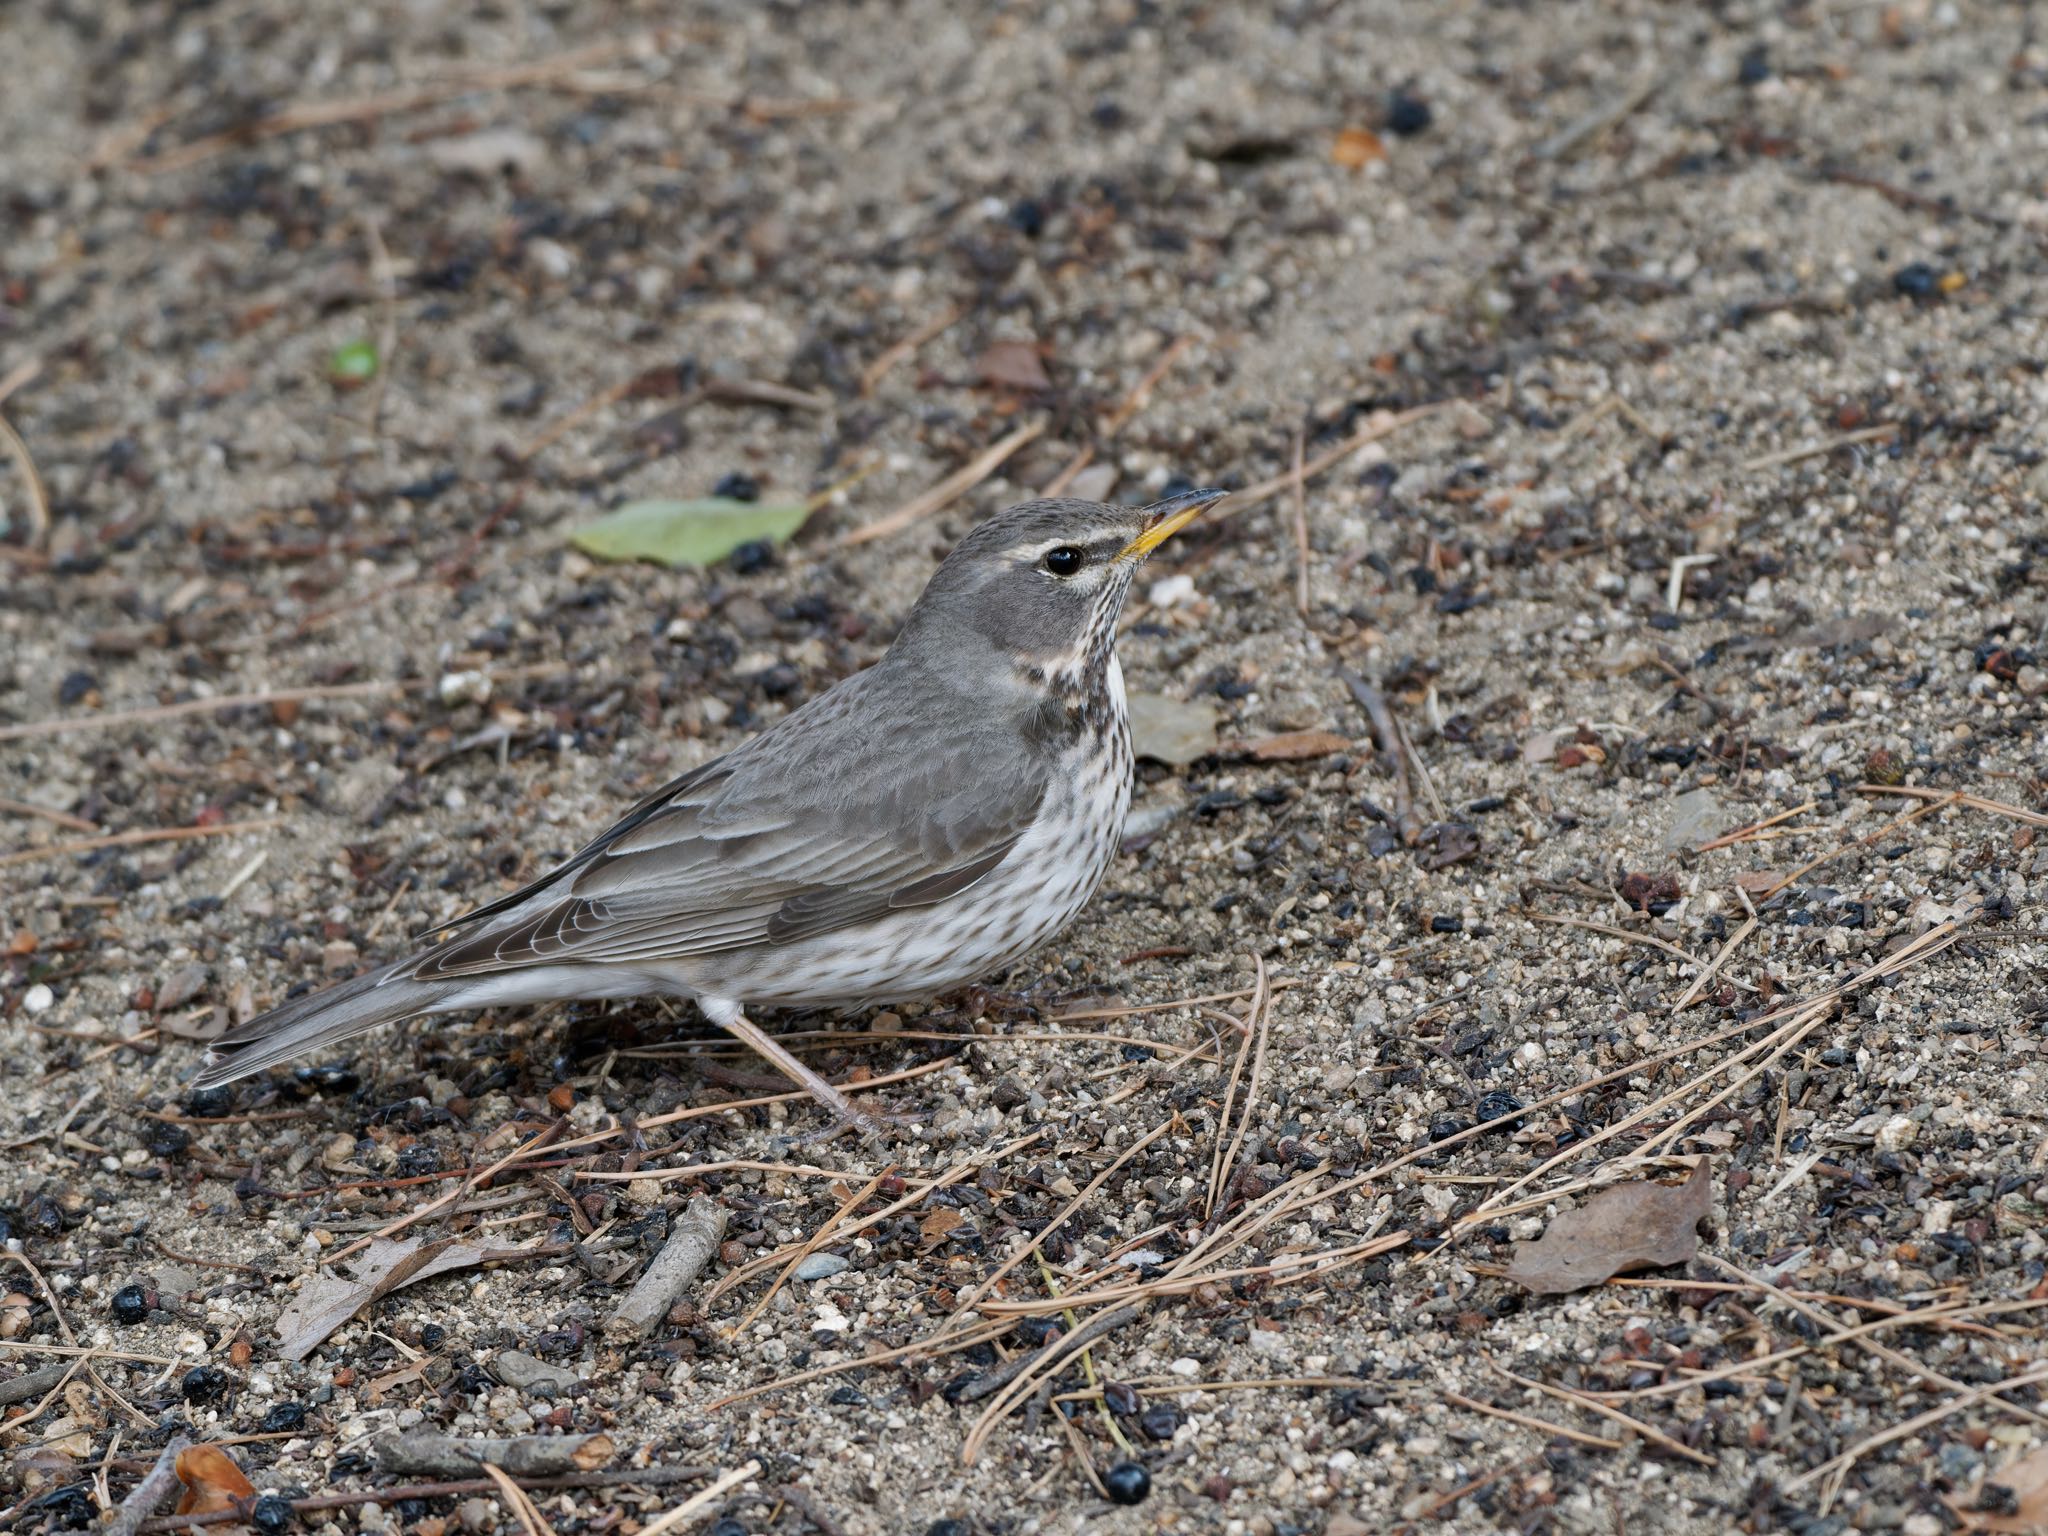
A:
(1063, 561)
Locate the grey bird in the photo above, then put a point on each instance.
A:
(914, 828)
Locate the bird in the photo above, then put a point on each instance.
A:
(918, 826)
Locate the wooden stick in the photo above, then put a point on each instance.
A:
(948, 490)
(689, 1248)
(1815, 450)
(352, 109)
(62, 818)
(1300, 531)
(700, 1499)
(1530, 1421)
(38, 499)
(931, 330)
(1611, 1413)
(157, 1484)
(130, 839)
(1957, 797)
(1743, 834)
(1382, 424)
(150, 714)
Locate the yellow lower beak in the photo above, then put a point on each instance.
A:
(1166, 518)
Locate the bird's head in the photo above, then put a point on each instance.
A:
(1043, 581)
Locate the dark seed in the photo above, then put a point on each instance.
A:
(202, 1384)
(1445, 1129)
(948, 1528)
(1120, 1397)
(1493, 1105)
(1916, 280)
(164, 1139)
(1159, 1423)
(208, 1103)
(1408, 115)
(1755, 67)
(271, 1515)
(1127, 1483)
(284, 1419)
(848, 1397)
(76, 685)
(729, 1528)
(131, 1304)
(737, 487)
(1026, 217)
(754, 555)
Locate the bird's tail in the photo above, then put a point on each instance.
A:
(319, 1018)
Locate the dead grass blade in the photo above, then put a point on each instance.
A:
(948, 490)
(1380, 424)
(38, 498)
(135, 839)
(1609, 1412)
(1957, 797)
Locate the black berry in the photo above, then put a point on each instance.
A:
(271, 1515)
(1407, 115)
(202, 1384)
(285, 1419)
(1127, 1483)
(131, 1304)
(737, 487)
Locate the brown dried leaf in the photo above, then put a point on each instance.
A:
(939, 1224)
(330, 1299)
(213, 1483)
(2014, 1499)
(1625, 1226)
(1292, 746)
(1014, 365)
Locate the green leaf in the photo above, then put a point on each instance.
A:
(353, 362)
(687, 532)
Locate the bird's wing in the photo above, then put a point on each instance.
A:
(800, 832)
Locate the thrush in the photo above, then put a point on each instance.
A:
(918, 826)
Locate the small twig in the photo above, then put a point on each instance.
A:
(1744, 834)
(1393, 746)
(38, 499)
(1815, 450)
(1601, 121)
(132, 839)
(1042, 1364)
(150, 714)
(802, 1501)
(1259, 1018)
(354, 109)
(1530, 1421)
(1957, 797)
(1300, 530)
(948, 490)
(648, 1477)
(386, 279)
(1611, 1413)
(157, 1484)
(33, 1384)
(62, 818)
(1141, 392)
(700, 1500)
(515, 1499)
(931, 330)
(690, 1246)
(424, 1453)
(1381, 424)
(20, 374)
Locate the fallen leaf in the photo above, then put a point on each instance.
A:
(1644, 891)
(675, 533)
(1170, 730)
(330, 1299)
(937, 1226)
(1292, 746)
(213, 1483)
(1357, 147)
(1014, 365)
(1757, 881)
(2013, 1499)
(1625, 1226)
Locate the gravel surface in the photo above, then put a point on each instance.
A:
(1729, 512)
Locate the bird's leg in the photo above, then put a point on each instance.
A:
(845, 1113)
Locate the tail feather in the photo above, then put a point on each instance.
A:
(306, 1023)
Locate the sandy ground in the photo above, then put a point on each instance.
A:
(1732, 506)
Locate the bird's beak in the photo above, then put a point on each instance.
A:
(1163, 519)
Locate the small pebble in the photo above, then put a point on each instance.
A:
(821, 1266)
(38, 999)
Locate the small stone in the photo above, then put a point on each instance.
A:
(821, 1266)
(2031, 681)
(465, 688)
(38, 999)
(531, 1374)
(1171, 591)
(184, 984)
(1896, 1134)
